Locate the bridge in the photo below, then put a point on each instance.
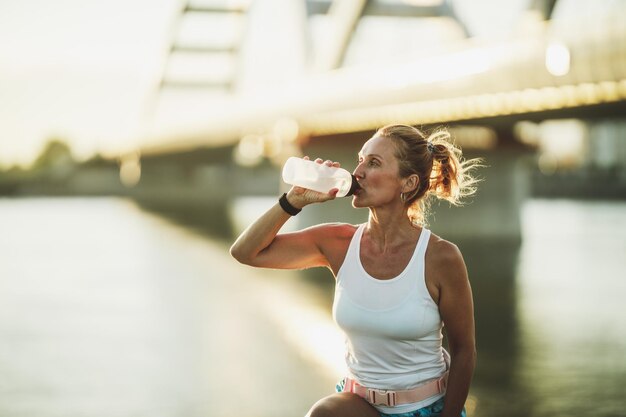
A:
(564, 65)
(570, 66)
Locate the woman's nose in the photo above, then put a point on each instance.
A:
(358, 172)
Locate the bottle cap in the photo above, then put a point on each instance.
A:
(355, 186)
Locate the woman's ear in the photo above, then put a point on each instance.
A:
(410, 183)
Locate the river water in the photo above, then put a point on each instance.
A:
(108, 309)
(564, 351)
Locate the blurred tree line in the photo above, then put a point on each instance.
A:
(51, 170)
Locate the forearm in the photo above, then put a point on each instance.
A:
(461, 371)
(259, 235)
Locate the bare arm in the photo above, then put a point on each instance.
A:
(260, 244)
(457, 312)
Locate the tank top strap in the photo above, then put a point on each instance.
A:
(352, 255)
(355, 243)
(422, 244)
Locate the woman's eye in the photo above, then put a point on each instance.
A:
(370, 162)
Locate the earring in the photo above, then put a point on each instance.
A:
(403, 197)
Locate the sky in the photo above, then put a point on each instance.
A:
(79, 70)
(86, 71)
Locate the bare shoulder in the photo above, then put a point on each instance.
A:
(445, 261)
(443, 251)
(333, 240)
(445, 268)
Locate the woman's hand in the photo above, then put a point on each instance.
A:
(300, 197)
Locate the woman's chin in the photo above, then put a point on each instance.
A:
(357, 201)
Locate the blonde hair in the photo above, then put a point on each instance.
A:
(438, 163)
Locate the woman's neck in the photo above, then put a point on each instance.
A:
(387, 228)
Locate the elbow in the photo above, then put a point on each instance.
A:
(235, 252)
(472, 355)
(240, 255)
(466, 354)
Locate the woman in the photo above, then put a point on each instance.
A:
(396, 283)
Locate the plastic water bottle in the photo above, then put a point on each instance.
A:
(319, 177)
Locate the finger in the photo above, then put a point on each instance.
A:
(328, 162)
(319, 160)
(333, 192)
(336, 164)
(306, 157)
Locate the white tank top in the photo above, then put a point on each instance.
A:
(392, 326)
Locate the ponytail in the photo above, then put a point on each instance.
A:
(442, 171)
(450, 177)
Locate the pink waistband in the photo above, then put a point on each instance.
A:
(391, 398)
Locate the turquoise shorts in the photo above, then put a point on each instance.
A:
(432, 410)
